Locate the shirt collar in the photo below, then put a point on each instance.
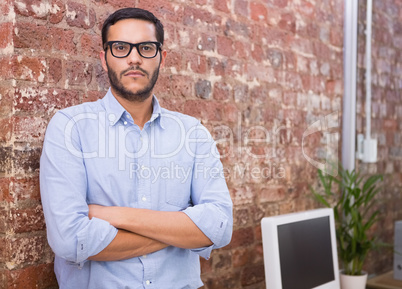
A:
(115, 110)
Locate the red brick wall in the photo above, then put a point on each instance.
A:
(257, 73)
(386, 114)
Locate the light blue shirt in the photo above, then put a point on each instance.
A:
(93, 153)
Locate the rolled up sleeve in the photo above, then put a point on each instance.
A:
(63, 185)
(212, 209)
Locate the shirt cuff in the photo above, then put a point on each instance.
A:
(95, 237)
(212, 222)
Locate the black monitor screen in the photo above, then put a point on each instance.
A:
(305, 253)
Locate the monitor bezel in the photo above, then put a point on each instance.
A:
(269, 228)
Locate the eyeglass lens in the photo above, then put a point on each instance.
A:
(145, 49)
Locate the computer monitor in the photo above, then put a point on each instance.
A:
(300, 250)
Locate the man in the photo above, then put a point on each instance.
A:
(132, 193)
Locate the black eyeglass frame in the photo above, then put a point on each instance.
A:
(136, 45)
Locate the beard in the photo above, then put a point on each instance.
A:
(137, 96)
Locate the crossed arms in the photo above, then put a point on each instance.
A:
(143, 231)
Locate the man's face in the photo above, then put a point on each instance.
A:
(132, 77)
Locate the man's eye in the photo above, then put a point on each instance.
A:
(119, 46)
(147, 47)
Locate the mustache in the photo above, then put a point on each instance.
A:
(134, 68)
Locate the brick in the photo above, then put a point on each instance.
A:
(217, 66)
(206, 265)
(241, 93)
(222, 261)
(288, 22)
(163, 9)
(5, 162)
(5, 190)
(242, 238)
(187, 38)
(40, 9)
(25, 188)
(91, 45)
(27, 220)
(79, 15)
(78, 73)
(29, 68)
(6, 101)
(206, 42)
(203, 89)
(33, 277)
(31, 35)
(222, 91)
(257, 53)
(26, 249)
(277, 3)
(258, 11)
(6, 127)
(222, 5)
(44, 100)
(101, 77)
(62, 39)
(252, 275)
(305, 8)
(241, 8)
(390, 125)
(226, 281)
(207, 110)
(175, 85)
(25, 161)
(4, 227)
(5, 8)
(204, 20)
(225, 46)
(57, 11)
(174, 60)
(272, 194)
(242, 49)
(196, 63)
(94, 95)
(6, 35)
(237, 29)
(240, 257)
(231, 113)
(29, 129)
(54, 72)
(6, 68)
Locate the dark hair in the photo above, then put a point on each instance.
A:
(132, 13)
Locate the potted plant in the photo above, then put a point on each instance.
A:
(352, 199)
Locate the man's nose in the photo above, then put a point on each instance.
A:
(134, 57)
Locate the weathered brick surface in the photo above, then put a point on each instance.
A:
(256, 73)
(385, 116)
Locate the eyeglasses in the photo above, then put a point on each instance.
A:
(121, 49)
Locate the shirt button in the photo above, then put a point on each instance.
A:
(147, 282)
(144, 256)
(125, 122)
(144, 199)
(142, 167)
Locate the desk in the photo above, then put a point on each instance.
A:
(384, 281)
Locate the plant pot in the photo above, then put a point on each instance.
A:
(353, 282)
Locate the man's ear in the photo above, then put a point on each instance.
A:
(102, 56)
(163, 58)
